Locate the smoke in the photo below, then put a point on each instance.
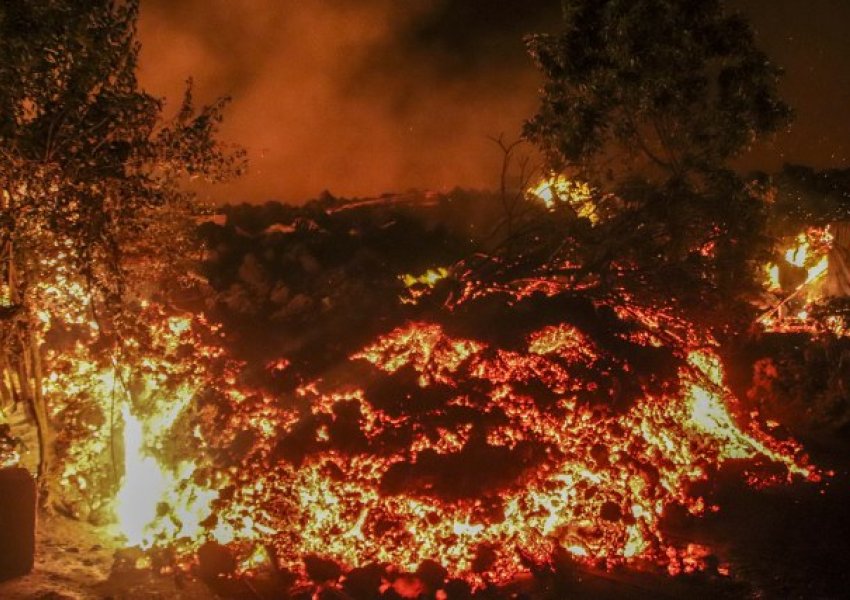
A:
(358, 98)
(370, 96)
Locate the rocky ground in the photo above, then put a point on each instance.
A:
(77, 561)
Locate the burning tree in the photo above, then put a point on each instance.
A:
(90, 173)
(650, 101)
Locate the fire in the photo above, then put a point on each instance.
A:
(429, 278)
(120, 413)
(772, 281)
(153, 503)
(797, 255)
(144, 483)
(558, 189)
(808, 255)
(417, 286)
(803, 256)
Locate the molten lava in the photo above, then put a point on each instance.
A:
(434, 447)
(597, 484)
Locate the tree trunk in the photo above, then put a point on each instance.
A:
(29, 382)
(42, 419)
(23, 362)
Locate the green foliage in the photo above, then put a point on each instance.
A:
(673, 88)
(88, 165)
(92, 201)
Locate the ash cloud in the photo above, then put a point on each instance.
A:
(358, 98)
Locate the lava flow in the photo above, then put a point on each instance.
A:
(435, 448)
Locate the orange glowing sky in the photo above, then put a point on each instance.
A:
(362, 98)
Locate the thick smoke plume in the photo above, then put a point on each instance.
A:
(355, 97)
(370, 96)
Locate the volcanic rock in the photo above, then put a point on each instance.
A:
(321, 570)
(214, 560)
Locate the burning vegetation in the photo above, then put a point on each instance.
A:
(413, 394)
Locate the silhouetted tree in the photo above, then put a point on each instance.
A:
(649, 100)
(676, 86)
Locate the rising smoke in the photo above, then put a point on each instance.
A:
(358, 98)
(362, 97)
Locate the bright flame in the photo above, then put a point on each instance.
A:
(773, 284)
(144, 484)
(809, 252)
(578, 195)
(797, 255)
(429, 278)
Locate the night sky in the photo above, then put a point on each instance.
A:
(374, 96)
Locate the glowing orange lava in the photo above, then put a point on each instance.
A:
(477, 457)
(597, 486)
